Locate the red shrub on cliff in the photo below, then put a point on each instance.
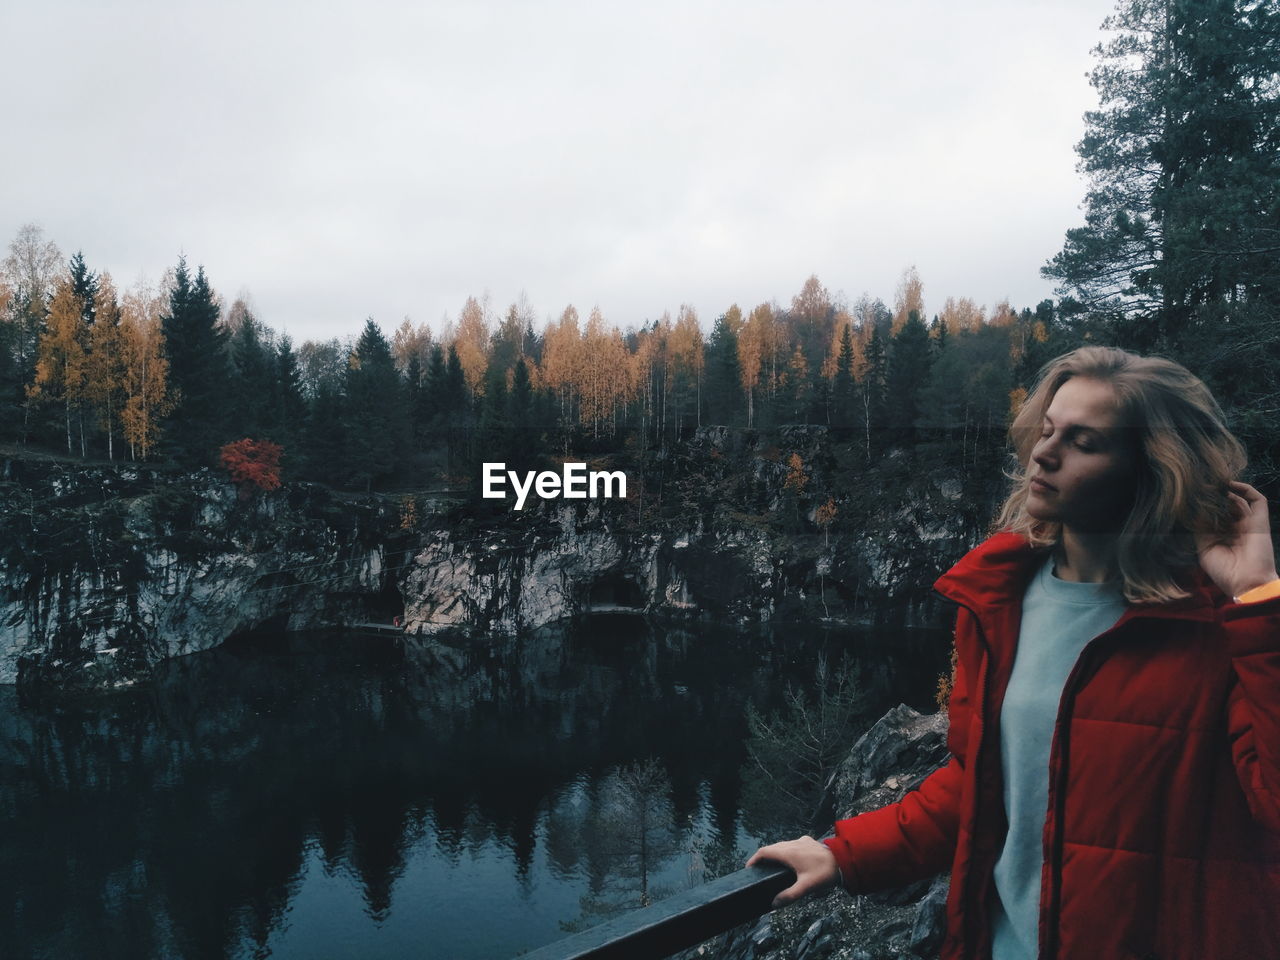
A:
(253, 462)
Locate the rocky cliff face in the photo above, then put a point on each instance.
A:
(106, 571)
(733, 537)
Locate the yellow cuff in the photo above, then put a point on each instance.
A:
(1264, 592)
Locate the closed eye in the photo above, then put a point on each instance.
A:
(1081, 442)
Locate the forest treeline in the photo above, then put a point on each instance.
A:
(174, 373)
(1179, 255)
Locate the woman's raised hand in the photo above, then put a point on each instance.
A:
(813, 862)
(1249, 559)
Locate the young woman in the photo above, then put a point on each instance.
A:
(1114, 786)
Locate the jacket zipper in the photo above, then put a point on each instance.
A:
(1050, 906)
(1061, 739)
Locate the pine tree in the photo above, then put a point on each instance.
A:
(843, 387)
(523, 447)
(938, 333)
(195, 345)
(910, 357)
(1183, 207)
(324, 443)
(413, 390)
(373, 415)
(455, 410)
(84, 283)
(254, 415)
(290, 405)
(432, 398)
(873, 390)
(724, 375)
(494, 432)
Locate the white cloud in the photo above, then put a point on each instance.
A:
(391, 159)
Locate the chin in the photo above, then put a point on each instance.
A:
(1039, 510)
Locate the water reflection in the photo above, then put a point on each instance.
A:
(309, 796)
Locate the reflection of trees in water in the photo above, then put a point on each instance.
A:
(628, 831)
(178, 820)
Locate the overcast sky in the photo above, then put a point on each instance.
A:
(340, 160)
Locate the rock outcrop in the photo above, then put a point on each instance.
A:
(908, 923)
(106, 571)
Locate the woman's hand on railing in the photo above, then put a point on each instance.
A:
(813, 862)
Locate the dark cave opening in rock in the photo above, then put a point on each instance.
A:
(615, 592)
(385, 605)
(259, 635)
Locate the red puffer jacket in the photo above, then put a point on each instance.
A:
(1162, 836)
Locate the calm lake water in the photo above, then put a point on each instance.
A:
(347, 796)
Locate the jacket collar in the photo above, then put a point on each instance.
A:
(997, 571)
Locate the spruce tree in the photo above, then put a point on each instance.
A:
(938, 331)
(523, 448)
(254, 413)
(324, 446)
(374, 424)
(432, 396)
(413, 390)
(843, 387)
(723, 393)
(84, 284)
(455, 413)
(195, 345)
(872, 414)
(493, 439)
(910, 357)
(290, 406)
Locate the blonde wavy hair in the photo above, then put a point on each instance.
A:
(1185, 456)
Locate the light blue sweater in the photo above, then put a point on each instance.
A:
(1058, 618)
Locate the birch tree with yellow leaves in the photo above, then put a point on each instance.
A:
(908, 299)
(961, 315)
(768, 327)
(661, 369)
(147, 398)
(61, 355)
(641, 365)
(410, 341)
(796, 381)
(685, 348)
(602, 355)
(471, 341)
(561, 360)
(104, 387)
(752, 340)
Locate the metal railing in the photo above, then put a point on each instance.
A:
(677, 923)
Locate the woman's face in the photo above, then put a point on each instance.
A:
(1083, 467)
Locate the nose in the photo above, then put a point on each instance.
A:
(1045, 453)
